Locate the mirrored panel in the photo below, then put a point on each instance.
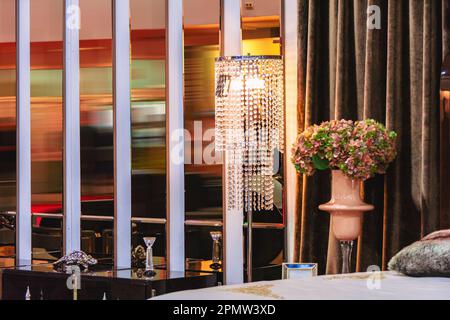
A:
(203, 168)
(46, 128)
(261, 36)
(96, 131)
(7, 132)
(148, 123)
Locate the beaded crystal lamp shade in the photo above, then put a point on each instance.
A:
(249, 126)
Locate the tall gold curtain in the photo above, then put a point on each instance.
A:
(391, 74)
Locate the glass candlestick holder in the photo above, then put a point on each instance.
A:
(149, 268)
(216, 250)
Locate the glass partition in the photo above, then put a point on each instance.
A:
(96, 131)
(148, 123)
(7, 132)
(261, 36)
(46, 128)
(203, 168)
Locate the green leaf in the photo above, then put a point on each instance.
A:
(319, 163)
(392, 134)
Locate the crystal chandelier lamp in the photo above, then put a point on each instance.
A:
(249, 127)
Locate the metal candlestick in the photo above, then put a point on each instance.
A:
(249, 246)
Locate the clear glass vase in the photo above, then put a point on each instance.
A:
(346, 251)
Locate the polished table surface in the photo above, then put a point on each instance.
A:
(46, 283)
(107, 271)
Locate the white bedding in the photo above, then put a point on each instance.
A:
(356, 286)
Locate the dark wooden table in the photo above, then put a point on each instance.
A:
(123, 284)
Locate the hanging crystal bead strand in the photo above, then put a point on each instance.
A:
(249, 126)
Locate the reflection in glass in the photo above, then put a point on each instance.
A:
(96, 131)
(46, 127)
(149, 268)
(203, 168)
(261, 36)
(216, 250)
(7, 131)
(148, 120)
(158, 231)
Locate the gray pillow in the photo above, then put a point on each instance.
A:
(429, 257)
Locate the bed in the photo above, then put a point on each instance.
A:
(356, 286)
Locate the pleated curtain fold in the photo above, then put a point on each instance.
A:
(348, 70)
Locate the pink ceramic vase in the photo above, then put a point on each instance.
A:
(346, 208)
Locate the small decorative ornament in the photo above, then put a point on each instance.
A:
(138, 256)
(104, 296)
(149, 269)
(28, 294)
(76, 258)
(140, 272)
(8, 222)
(216, 250)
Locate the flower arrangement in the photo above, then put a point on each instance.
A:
(359, 149)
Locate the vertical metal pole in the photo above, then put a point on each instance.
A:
(250, 246)
(122, 133)
(175, 136)
(71, 155)
(23, 140)
(230, 44)
(289, 40)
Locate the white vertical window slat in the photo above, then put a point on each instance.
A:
(289, 20)
(174, 136)
(71, 127)
(122, 133)
(23, 164)
(231, 38)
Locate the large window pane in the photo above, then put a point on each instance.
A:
(7, 131)
(46, 127)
